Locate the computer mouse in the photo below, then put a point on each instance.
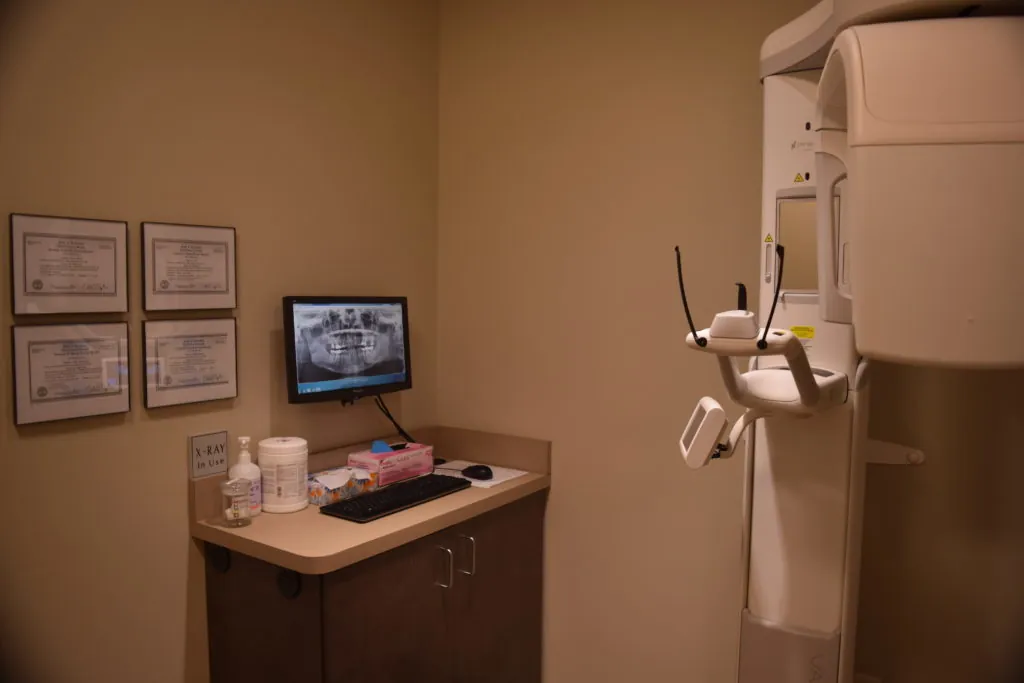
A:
(481, 472)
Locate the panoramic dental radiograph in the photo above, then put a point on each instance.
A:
(345, 341)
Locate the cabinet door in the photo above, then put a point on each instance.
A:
(498, 591)
(386, 618)
(263, 621)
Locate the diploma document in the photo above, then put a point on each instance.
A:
(181, 266)
(194, 360)
(188, 267)
(73, 368)
(63, 372)
(69, 265)
(189, 361)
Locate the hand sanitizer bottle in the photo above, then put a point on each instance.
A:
(246, 469)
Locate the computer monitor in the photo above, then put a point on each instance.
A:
(344, 348)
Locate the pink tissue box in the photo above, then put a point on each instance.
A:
(412, 461)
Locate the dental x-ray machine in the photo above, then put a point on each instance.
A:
(894, 197)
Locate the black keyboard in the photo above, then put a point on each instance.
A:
(399, 496)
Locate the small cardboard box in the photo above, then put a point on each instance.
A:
(339, 483)
(412, 461)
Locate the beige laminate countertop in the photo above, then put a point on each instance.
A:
(311, 543)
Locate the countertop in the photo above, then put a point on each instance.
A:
(311, 543)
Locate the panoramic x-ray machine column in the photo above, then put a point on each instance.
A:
(893, 226)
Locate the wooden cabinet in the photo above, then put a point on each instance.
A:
(497, 593)
(263, 621)
(385, 618)
(459, 606)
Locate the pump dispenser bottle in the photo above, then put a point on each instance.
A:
(246, 469)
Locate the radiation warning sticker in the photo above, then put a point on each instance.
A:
(799, 178)
(803, 331)
(768, 239)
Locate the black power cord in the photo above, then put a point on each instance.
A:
(387, 413)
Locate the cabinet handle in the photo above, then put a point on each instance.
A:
(472, 566)
(451, 568)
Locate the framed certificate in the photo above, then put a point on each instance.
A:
(188, 267)
(68, 265)
(67, 371)
(190, 361)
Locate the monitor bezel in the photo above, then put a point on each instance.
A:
(344, 395)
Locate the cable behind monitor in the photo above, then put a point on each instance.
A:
(383, 407)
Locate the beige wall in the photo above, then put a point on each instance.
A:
(580, 141)
(313, 132)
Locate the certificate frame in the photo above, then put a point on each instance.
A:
(68, 265)
(36, 399)
(182, 268)
(167, 345)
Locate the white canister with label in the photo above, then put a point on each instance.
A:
(283, 463)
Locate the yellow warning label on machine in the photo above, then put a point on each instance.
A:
(799, 178)
(768, 238)
(803, 331)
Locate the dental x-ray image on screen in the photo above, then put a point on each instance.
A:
(347, 346)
